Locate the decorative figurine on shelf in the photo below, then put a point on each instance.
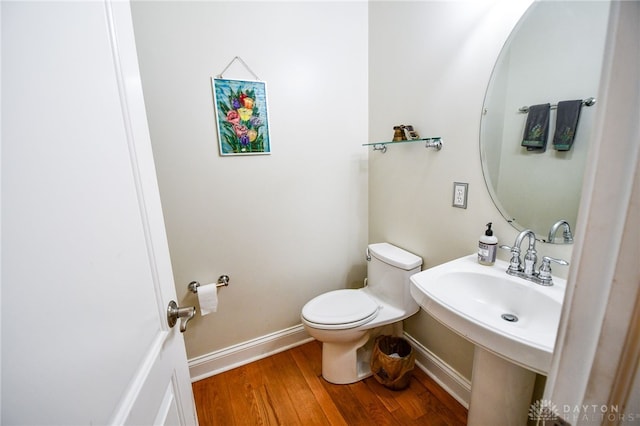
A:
(410, 134)
(398, 133)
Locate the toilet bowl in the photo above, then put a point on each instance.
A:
(348, 321)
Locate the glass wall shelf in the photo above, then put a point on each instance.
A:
(435, 142)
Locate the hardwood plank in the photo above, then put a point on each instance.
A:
(288, 389)
(244, 401)
(385, 395)
(313, 378)
(292, 380)
(352, 411)
(411, 408)
(456, 410)
(213, 401)
(283, 405)
(372, 404)
(265, 415)
(255, 373)
(411, 402)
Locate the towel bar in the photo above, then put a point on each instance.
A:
(223, 281)
(587, 102)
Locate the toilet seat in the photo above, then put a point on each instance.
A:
(340, 309)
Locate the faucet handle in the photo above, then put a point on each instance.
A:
(548, 259)
(514, 263)
(544, 274)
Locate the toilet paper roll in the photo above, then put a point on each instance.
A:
(208, 298)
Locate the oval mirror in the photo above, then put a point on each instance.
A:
(554, 54)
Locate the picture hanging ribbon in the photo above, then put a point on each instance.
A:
(238, 58)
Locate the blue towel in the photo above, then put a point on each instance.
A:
(536, 129)
(566, 124)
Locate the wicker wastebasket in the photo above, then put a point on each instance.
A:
(392, 362)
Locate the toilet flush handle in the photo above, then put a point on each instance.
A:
(368, 254)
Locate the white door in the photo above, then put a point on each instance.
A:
(86, 275)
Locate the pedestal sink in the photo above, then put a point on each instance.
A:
(512, 322)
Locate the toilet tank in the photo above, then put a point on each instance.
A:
(388, 270)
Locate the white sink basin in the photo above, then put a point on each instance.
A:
(471, 299)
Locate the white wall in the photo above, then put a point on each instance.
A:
(333, 70)
(430, 63)
(284, 227)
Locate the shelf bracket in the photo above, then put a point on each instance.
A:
(380, 147)
(434, 143)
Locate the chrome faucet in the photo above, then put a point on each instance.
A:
(530, 258)
(528, 271)
(566, 232)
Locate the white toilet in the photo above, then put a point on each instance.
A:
(348, 321)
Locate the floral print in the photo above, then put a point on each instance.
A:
(240, 107)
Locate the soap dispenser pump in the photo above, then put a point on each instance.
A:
(487, 247)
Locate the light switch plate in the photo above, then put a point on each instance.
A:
(460, 191)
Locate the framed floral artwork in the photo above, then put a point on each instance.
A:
(241, 116)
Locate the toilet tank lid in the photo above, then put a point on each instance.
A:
(395, 256)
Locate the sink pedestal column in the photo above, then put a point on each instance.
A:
(500, 391)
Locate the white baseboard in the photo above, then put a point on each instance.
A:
(442, 373)
(243, 353)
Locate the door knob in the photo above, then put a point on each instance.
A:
(174, 312)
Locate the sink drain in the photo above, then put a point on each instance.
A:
(509, 317)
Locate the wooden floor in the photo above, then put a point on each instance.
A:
(288, 389)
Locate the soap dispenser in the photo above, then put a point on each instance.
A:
(487, 247)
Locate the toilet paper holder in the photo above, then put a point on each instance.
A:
(223, 281)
